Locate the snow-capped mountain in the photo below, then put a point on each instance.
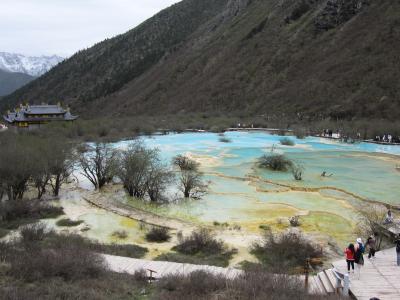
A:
(31, 65)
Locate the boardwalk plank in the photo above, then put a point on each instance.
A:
(379, 277)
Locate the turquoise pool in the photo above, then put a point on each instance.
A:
(242, 193)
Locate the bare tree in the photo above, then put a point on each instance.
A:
(41, 176)
(371, 220)
(40, 173)
(297, 171)
(61, 164)
(15, 164)
(190, 178)
(133, 169)
(98, 164)
(2, 190)
(142, 172)
(157, 180)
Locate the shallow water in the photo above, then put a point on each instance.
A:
(242, 194)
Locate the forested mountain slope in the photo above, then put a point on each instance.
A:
(313, 59)
(9, 82)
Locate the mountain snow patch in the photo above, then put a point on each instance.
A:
(31, 65)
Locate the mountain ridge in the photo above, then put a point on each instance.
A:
(32, 65)
(303, 59)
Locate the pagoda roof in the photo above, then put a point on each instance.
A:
(43, 109)
(29, 113)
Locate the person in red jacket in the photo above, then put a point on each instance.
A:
(350, 253)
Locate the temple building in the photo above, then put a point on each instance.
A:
(32, 116)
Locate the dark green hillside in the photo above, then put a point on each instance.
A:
(335, 59)
(9, 82)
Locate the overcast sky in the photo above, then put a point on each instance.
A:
(36, 27)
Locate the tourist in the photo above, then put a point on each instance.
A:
(358, 257)
(398, 249)
(371, 243)
(324, 174)
(350, 253)
(389, 218)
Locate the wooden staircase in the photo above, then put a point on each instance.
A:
(323, 283)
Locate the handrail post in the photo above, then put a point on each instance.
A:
(338, 285)
(307, 271)
(346, 284)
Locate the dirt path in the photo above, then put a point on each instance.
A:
(101, 200)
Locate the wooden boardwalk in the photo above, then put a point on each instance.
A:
(379, 277)
(163, 268)
(128, 265)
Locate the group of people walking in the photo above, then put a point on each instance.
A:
(355, 253)
(355, 256)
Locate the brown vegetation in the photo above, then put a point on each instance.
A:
(43, 265)
(286, 252)
(201, 247)
(256, 284)
(158, 235)
(275, 162)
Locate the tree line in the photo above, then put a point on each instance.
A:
(141, 171)
(44, 163)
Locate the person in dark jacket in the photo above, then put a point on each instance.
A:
(398, 249)
(371, 243)
(359, 256)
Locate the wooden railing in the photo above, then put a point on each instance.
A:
(342, 282)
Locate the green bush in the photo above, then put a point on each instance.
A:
(68, 223)
(287, 141)
(224, 139)
(275, 162)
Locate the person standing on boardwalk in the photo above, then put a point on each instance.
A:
(371, 243)
(358, 257)
(350, 252)
(398, 249)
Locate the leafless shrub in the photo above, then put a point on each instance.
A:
(275, 162)
(158, 234)
(257, 285)
(370, 222)
(98, 164)
(286, 252)
(200, 241)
